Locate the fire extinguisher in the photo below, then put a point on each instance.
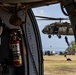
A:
(16, 49)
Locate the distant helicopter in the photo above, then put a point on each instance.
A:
(57, 28)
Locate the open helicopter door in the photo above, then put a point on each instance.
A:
(33, 45)
(32, 59)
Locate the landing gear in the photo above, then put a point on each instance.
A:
(49, 36)
(59, 36)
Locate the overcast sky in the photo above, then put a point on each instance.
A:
(54, 43)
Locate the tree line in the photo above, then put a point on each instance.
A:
(71, 50)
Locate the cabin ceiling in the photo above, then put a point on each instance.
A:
(18, 1)
(26, 1)
(30, 3)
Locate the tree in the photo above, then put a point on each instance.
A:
(48, 53)
(61, 53)
(71, 50)
(45, 53)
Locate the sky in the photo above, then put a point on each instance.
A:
(53, 43)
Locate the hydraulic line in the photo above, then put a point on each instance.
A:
(62, 8)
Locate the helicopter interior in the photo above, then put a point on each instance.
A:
(19, 31)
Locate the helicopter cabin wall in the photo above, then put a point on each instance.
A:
(4, 47)
(5, 51)
(5, 17)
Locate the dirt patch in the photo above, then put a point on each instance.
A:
(68, 69)
(54, 65)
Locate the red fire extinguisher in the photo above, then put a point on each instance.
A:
(16, 50)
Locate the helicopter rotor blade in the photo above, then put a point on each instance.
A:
(50, 18)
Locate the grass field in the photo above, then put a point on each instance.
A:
(57, 65)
